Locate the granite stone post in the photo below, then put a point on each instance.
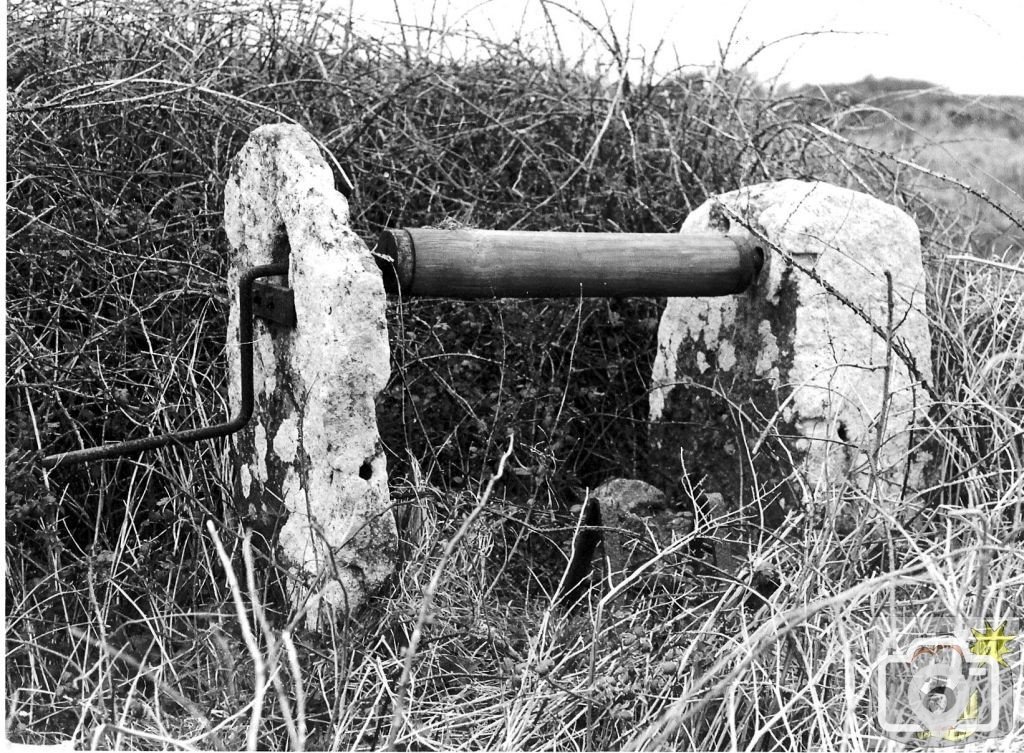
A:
(309, 468)
(805, 391)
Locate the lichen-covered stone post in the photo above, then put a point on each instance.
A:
(806, 389)
(310, 470)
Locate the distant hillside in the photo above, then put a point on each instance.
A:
(924, 104)
(976, 140)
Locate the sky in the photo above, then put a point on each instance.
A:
(968, 46)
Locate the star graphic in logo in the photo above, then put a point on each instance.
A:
(993, 642)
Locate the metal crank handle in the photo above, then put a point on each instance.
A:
(134, 446)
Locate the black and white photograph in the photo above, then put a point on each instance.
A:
(551, 375)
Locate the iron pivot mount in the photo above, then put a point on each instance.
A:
(254, 298)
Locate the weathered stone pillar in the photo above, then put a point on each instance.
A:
(786, 394)
(309, 466)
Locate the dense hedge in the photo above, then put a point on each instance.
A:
(122, 125)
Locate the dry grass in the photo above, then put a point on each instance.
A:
(138, 611)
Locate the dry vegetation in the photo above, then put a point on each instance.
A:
(976, 140)
(136, 612)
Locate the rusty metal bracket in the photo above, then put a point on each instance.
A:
(281, 304)
(274, 303)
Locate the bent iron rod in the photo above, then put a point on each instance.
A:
(132, 446)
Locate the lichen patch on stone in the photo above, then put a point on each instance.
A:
(766, 362)
(246, 477)
(726, 355)
(701, 362)
(286, 440)
(260, 465)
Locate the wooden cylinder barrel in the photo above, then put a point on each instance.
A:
(515, 264)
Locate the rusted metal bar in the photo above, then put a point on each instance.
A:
(504, 264)
(134, 446)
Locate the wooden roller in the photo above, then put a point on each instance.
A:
(517, 264)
